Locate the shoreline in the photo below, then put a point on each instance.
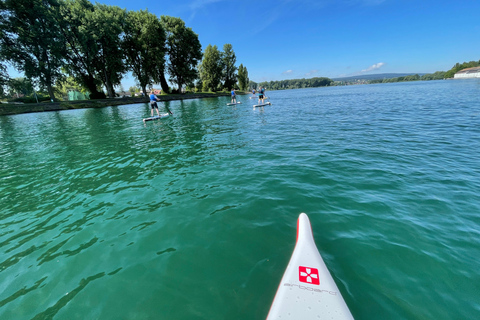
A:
(12, 108)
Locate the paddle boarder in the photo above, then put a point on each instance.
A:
(153, 102)
(234, 96)
(260, 95)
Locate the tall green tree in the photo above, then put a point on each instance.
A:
(184, 51)
(31, 41)
(144, 47)
(93, 44)
(228, 65)
(211, 68)
(107, 26)
(81, 50)
(243, 77)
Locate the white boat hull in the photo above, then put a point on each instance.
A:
(307, 290)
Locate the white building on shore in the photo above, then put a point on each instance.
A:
(468, 73)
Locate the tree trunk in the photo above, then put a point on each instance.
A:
(108, 86)
(112, 90)
(50, 92)
(90, 84)
(48, 81)
(180, 84)
(164, 84)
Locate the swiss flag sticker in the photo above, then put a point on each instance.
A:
(308, 275)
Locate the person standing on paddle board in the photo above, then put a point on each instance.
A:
(153, 102)
(253, 92)
(260, 95)
(234, 96)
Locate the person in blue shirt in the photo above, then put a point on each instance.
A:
(153, 102)
(234, 96)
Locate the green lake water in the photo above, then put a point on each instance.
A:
(194, 216)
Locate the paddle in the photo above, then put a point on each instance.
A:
(265, 95)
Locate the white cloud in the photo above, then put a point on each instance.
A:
(197, 5)
(311, 73)
(287, 72)
(374, 67)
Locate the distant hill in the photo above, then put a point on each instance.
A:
(378, 76)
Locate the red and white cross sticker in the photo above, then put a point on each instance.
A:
(308, 275)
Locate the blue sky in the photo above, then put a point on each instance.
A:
(287, 39)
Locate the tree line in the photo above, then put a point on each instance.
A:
(438, 75)
(293, 83)
(55, 43)
(320, 82)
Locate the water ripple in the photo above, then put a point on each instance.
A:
(132, 220)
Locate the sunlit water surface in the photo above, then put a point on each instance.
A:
(194, 216)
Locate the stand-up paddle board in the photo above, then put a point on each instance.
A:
(307, 290)
(232, 104)
(161, 116)
(255, 97)
(263, 104)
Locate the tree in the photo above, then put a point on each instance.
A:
(243, 78)
(183, 49)
(67, 84)
(211, 68)
(31, 40)
(81, 49)
(107, 25)
(132, 90)
(20, 86)
(198, 85)
(92, 35)
(144, 47)
(228, 65)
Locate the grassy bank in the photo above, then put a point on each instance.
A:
(10, 108)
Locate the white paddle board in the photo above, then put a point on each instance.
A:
(307, 290)
(263, 104)
(232, 104)
(161, 116)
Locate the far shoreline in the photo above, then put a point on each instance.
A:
(13, 108)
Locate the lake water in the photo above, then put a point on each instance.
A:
(194, 216)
